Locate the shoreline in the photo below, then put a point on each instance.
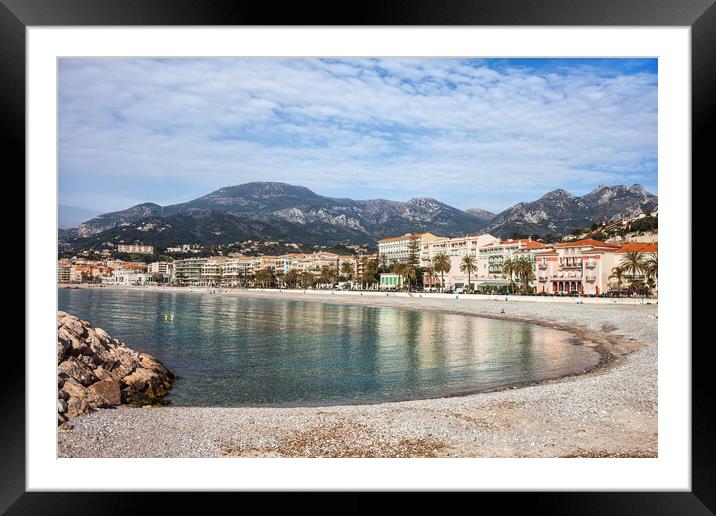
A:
(375, 293)
(626, 349)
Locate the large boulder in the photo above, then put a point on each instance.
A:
(94, 370)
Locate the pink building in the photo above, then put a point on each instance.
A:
(583, 266)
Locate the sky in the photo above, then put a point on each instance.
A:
(473, 133)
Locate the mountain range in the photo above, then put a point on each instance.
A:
(279, 211)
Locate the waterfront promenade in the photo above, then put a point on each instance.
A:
(611, 411)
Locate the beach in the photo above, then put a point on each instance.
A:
(610, 411)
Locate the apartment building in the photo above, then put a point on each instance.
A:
(187, 271)
(459, 246)
(361, 261)
(492, 257)
(63, 271)
(165, 269)
(135, 248)
(127, 277)
(238, 269)
(582, 267)
(397, 249)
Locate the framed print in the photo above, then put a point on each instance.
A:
(414, 250)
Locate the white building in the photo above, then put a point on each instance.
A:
(165, 269)
(135, 248)
(127, 277)
(397, 249)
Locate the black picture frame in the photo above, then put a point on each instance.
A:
(699, 15)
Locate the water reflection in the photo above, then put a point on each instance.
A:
(242, 351)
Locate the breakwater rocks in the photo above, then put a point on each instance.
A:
(95, 371)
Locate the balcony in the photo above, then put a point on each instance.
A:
(542, 266)
(590, 265)
(590, 279)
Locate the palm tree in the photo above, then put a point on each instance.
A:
(430, 275)
(280, 278)
(651, 269)
(633, 262)
(618, 274)
(370, 269)
(328, 274)
(307, 279)
(405, 270)
(524, 271)
(510, 268)
(347, 270)
(651, 265)
(291, 278)
(264, 277)
(441, 264)
(468, 265)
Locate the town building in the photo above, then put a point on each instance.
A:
(459, 246)
(397, 249)
(165, 269)
(126, 277)
(63, 271)
(135, 248)
(187, 272)
(583, 267)
(361, 262)
(390, 281)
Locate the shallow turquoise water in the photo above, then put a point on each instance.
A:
(237, 351)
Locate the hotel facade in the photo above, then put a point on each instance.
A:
(397, 249)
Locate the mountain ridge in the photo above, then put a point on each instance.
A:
(298, 211)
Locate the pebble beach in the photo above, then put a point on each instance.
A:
(610, 411)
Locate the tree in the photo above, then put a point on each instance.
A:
(280, 278)
(511, 269)
(633, 262)
(618, 274)
(441, 263)
(328, 274)
(264, 278)
(370, 270)
(414, 252)
(523, 269)
(430, 274)
(468, 265)
(291, 278)
(651, 269)
(407, 271)
(347, 270)
(651, 265)
(307, 279)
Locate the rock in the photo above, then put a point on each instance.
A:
(78, 370)
(94, 370)
(108, 390)
(73, 388)
(77, 407)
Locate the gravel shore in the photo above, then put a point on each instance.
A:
(608, 412)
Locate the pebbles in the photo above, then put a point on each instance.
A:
(609, 412)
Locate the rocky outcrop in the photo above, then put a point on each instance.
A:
(94, 370)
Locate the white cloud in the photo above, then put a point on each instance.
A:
(352, 126)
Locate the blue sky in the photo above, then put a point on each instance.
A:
(474, 133)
